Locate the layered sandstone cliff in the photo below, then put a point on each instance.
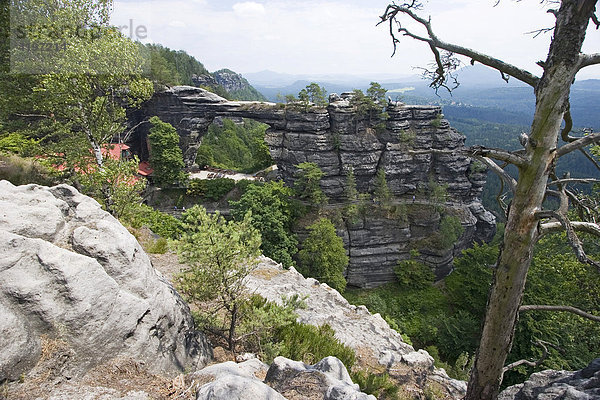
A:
(414, 145)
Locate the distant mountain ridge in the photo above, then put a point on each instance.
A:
(482, 92)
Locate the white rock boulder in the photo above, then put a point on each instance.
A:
(71, 272)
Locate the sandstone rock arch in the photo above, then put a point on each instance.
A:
(415, 145)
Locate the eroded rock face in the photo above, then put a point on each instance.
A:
(415, 146)
(564, 385)
(71, 273)
(377, 345)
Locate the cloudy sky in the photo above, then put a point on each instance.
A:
(335, 36)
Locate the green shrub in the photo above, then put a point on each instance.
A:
(162, 224)
(210, 189)
(323, 256)
(261, 320)
(311, 344)
(379, 385)
(158, 246)
(239, 147)
(273, 214)
(414, 274)
(23, 171)
(407, 137)
(437, 122)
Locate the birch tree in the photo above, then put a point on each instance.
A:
(543, 146)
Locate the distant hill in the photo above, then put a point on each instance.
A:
(237, 86)
(482, 94)
(176, 67)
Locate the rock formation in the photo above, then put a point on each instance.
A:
(237, 85)
(579, 385)
(377, 346)
(415, 146)
(76, 287)
(284, 379)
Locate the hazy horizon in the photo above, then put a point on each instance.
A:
(336, 36)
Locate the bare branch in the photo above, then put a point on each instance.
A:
(564, 134)
(129, 132)
(585, 60)
(587, 227)
(533, 364)
(595, 20)
(569, 228)
(578, 144)
(574, 180)
(497, 154)
(394, 11)
(589, 157)
(539, 32)
(569, 309)
(506, 178)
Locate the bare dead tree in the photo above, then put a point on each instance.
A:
(527, 220)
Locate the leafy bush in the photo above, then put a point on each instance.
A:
(219, 255)
(379, 385)
(260, 322)
(272, 215)
(158, 246)
(308, 183)
(23, 171)
(407, 137)
(323, 256)
(414, 274)
(162, 224)
(18, 143)
(311, 344)
(236, 147)
(166, 157)
(210, 189)
(451, 230)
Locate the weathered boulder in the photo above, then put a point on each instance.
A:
(70, 273)
(328, 379)
(284, 379)
(564, 385)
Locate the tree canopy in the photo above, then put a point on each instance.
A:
(69, 103)
(308, 183)
(166, 157)
(219, 255)
(323, 255)
(273, 216)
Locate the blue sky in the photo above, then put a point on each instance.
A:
(336, 36)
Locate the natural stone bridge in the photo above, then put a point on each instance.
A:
(415, 147)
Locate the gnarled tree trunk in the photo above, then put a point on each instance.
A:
(552, 95)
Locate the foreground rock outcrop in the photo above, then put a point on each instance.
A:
(284, 379)
(77, 288)
(564, 385)
(415, 147)
(378, 347)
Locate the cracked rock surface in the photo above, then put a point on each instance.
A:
(565, 385)
(70, 273)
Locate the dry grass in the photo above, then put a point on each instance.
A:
(266, 274)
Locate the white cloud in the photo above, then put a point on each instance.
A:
(177, 24)
(335, 36)
(249, 9)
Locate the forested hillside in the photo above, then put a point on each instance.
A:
(176, 67)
